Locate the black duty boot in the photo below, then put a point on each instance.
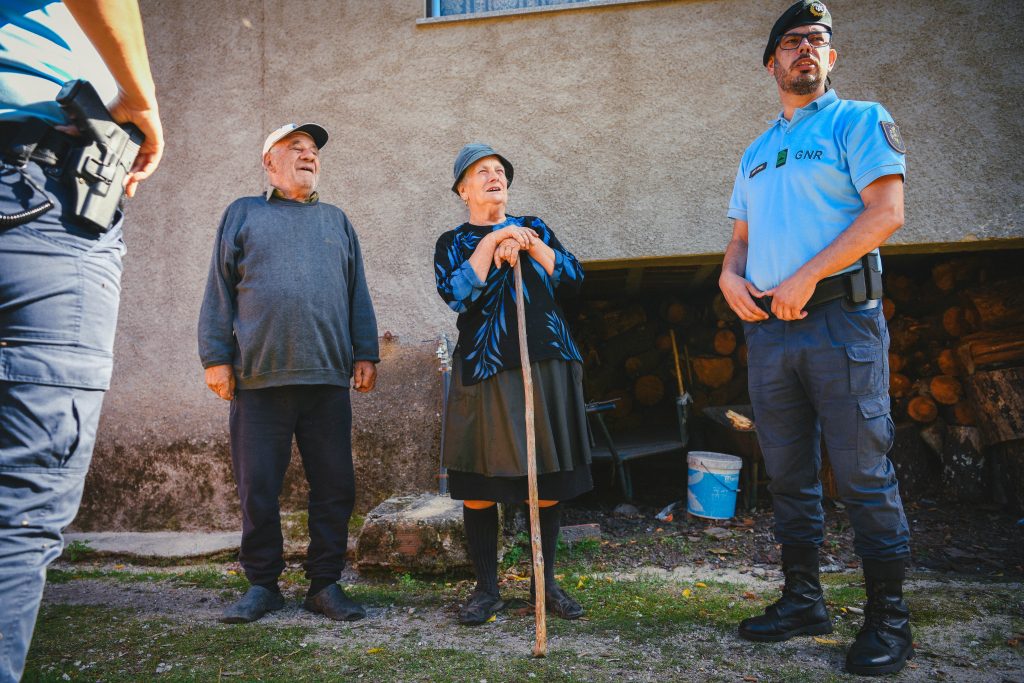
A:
(884, 643)
(800, 610)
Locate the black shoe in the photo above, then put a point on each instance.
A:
(480, 608)
(884, 643)
(557, 601)
(801, 609)
(256, 602)
(334, 604)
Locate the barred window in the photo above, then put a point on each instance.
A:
(446, 8)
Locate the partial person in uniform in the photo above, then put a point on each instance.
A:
(814, 197)
(285, 328)
(60, 279)
(485, 430)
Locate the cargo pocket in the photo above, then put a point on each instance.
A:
(875, 429)
(865, 361)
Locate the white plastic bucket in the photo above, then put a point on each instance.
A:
(712, 482)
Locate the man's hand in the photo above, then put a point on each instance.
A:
(148, 120)
(738, 291)
(114, 27)
(790, 297)
(221, 380)
(364, 376)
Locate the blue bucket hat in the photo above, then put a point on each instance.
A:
(473, 152)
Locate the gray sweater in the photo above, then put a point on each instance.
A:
(286, 299)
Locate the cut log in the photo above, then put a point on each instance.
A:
(899, 385)
(934, 436)
(985, 350)
(663, 342)
(1007, 462)
(725, 342)
(944, 276)
(673, 311)
(949, 363)
(946, 390)
(1000, 304)
(904, 333)
(713, 371)
(918, 471)
(648, 390)
(618, 321)
(922, 409)
(721, 309)
(741, 355)
(732, 392)
(900, 288)
(623, 403)
(963, 413)
(643, 364)
(616, 350)
(958, 321)
(888, 308)
(963, 464)
(897, 361)
(998, 397)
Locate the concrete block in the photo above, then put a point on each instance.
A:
(578, 532)
(419, 534)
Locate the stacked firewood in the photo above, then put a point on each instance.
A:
(962, 319)
(628, 353)
(957, 366)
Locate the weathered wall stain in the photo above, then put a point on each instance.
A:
(187, 485)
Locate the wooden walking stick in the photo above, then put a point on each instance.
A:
(540, 647)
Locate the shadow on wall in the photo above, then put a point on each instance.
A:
(189, 486)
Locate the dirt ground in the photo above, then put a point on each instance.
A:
(963, 539)
(662, 597)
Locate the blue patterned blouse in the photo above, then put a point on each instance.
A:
(488, 330)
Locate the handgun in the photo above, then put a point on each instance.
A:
(96, 169)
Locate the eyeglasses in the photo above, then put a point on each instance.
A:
(816, 39)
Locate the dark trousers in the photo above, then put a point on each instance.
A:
(828, 376)
(262, 423)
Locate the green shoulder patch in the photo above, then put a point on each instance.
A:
(893, 137)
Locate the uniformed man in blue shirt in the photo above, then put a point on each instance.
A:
(814, 197)
(60, 278)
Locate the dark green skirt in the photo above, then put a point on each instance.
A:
(485, 434)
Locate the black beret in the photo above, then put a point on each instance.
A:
(799, 14)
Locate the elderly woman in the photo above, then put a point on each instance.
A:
(485, 445)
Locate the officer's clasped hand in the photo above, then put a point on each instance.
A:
(738, 293)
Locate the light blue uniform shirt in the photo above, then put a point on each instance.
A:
(42, 48)
(798, 185)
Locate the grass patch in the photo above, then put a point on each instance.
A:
(94, 643)
(76, 551)
(641, 609)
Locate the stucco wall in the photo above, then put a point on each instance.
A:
(624, 123)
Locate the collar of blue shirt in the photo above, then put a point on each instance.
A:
(817, 105)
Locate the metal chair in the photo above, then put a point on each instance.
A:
(623, 450)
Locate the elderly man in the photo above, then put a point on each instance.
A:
(286, 324)
(814, 197)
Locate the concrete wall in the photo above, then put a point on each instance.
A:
(625, 124)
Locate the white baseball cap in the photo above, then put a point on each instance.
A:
(313, 130)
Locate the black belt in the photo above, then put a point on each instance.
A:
(33, 140)
(850, 286)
